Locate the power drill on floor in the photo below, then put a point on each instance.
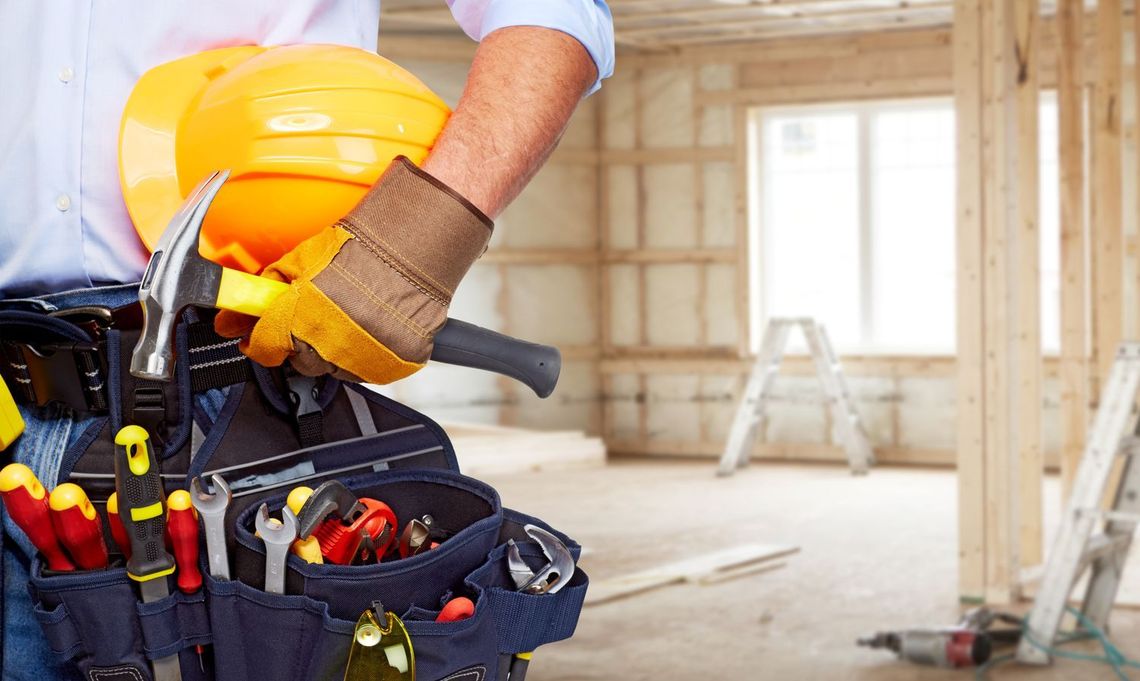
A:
(967, 644)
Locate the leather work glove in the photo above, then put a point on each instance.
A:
(369, 293)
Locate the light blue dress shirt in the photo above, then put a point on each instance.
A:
(67, 67)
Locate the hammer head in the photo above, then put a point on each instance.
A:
(176, 276)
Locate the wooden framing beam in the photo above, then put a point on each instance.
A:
(1074, 243)
(759, 20)
(998, 330)
(1106, 232)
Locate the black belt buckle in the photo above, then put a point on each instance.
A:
(56, 376)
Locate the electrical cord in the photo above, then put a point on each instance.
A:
(1112, 656)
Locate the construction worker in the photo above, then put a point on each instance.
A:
(368, 292)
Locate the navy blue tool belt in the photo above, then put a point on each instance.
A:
(267, 431)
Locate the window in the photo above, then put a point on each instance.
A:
(855, 208)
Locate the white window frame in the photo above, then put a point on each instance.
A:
(759, 285)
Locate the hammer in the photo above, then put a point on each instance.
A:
(177, 276)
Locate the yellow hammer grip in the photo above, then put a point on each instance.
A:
(247, 293)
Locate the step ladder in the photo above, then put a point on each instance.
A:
(751, 413)
(1091, 538)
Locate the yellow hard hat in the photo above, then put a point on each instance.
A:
(305, 131)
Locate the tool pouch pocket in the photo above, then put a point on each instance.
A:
(95, 620)
(308, 633)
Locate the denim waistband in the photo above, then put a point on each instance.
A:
(108, 296)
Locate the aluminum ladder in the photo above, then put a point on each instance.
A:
(1091, 538)
(751, 413)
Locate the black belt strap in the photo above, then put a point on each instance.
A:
(215, 362)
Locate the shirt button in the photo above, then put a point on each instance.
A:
(63, 203)
(66, 74)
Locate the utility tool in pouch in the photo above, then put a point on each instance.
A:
(548, 580)
(349, 530)
(142, 508)
(11, 423)
(381, 648)
(27, 503)
(78, 526)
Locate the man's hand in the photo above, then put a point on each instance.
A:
(369, 293)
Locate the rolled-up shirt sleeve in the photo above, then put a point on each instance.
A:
(588, 21)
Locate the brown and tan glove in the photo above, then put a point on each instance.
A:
(369, 293)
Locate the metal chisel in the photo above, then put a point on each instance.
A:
(142, 509)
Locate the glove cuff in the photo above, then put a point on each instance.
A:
(421, 228)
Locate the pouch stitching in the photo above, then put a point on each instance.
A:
(107, 672)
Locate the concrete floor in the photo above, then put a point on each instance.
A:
(878, 553)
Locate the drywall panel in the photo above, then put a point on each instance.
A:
(624, 403)
(622, 207)
(558, 209)
(874, 400)
(926, 413)
(674, 412)
(720, 304)
(671, 302)
(445, 78)
(573, 406)
(1051, 421)
(667, 108)
(625, 317)
(476, 299)
(795, 413)
(670, 206)
(718, 402)
(716, 126)
(617, 110)
(553, 304)
(582, 133)
(715, 77)
(719, 205)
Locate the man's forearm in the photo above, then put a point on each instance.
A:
(524, 84)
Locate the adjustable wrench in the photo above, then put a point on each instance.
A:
(212, 509)
(549, 579)
(278, 536)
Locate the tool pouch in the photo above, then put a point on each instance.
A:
(233, 630)
(313, 625)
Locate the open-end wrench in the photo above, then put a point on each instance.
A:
(212, 509)
(278, 536)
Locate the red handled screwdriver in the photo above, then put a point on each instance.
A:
(182, 526)
(182, 533)
(118, 532)
(27, 503)
(77, 526)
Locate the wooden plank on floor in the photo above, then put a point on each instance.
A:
(706, 566)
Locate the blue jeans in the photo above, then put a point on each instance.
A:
(48, 433)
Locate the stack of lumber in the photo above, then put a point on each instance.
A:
(491, 450)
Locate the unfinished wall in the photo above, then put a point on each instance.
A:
(674, 185)
(538, 281)
(630, 252)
